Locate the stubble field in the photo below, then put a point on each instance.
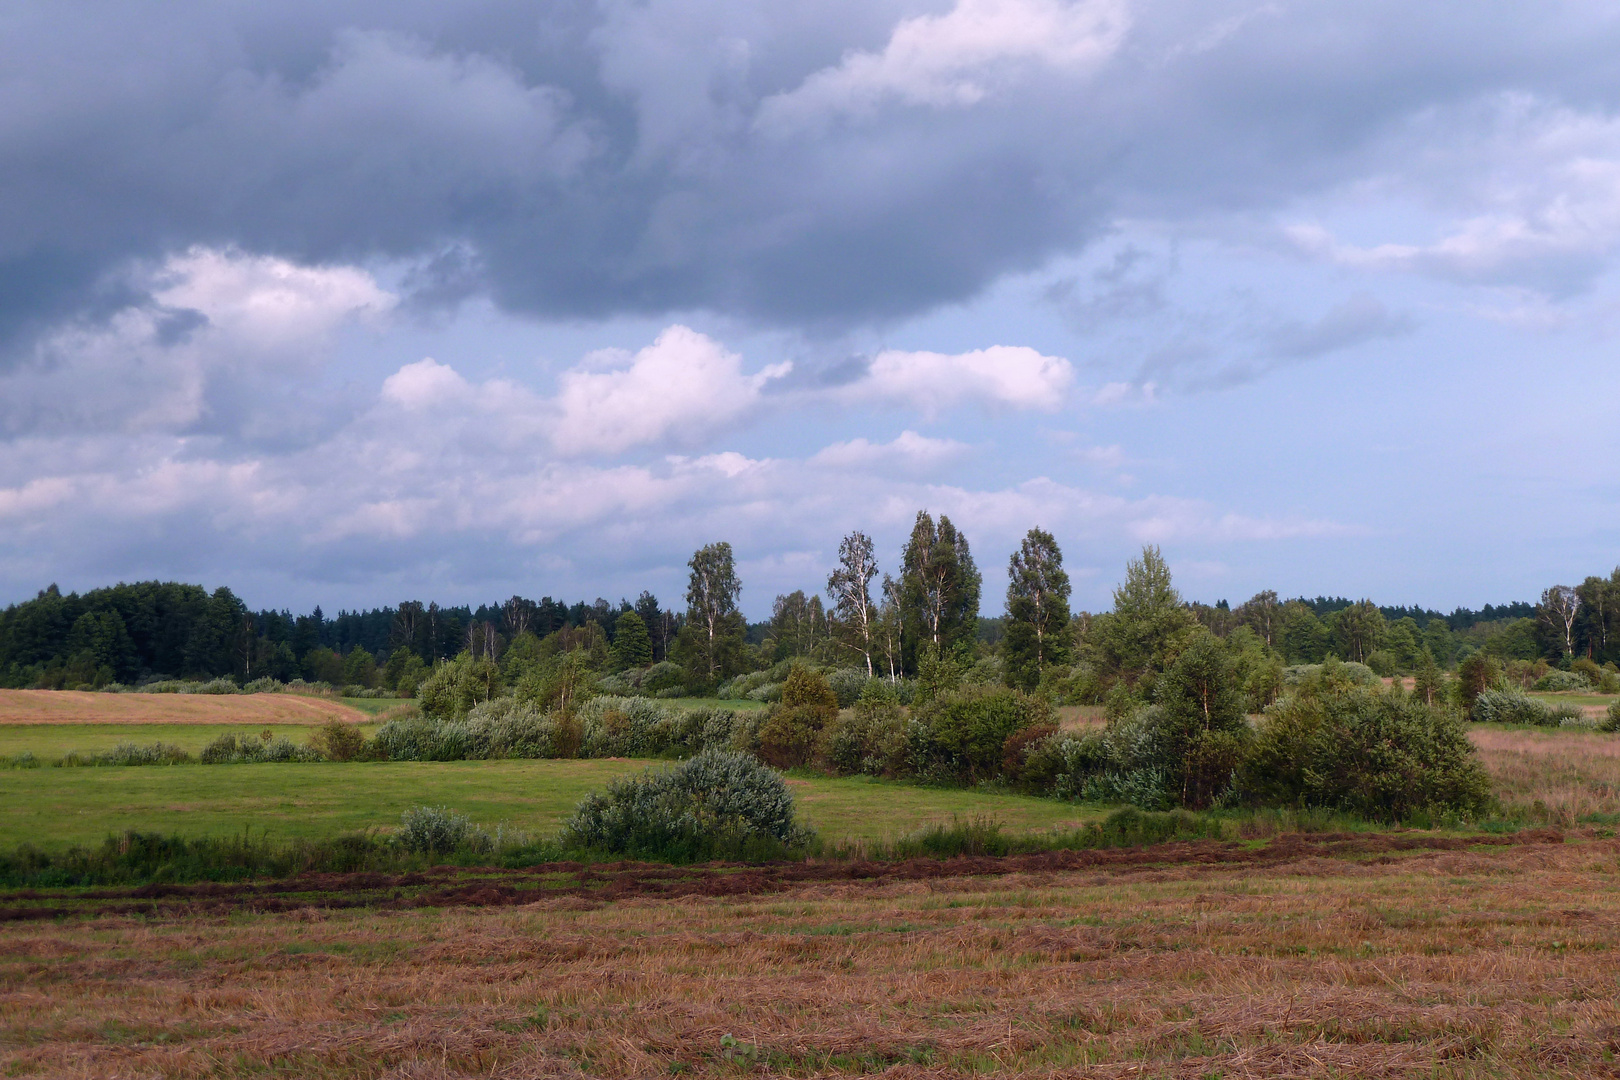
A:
(1340, 956)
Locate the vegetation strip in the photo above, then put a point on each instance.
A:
(455, 886)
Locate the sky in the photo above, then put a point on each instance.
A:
(351, 302)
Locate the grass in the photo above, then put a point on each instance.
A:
(85, 707)
(1557, 777)
(53, 808)
(50, 742)
(1451, 963)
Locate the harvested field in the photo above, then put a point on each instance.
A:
(1337, 956)
(87, 707)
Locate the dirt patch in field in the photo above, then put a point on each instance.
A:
(85, 707)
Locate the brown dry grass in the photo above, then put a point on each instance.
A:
(1461, 963)
(1559, 777)
(85, 707)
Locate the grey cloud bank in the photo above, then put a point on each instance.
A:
(845, 260)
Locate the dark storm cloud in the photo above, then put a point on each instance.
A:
(585, 160)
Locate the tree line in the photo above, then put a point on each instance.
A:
(880, 623)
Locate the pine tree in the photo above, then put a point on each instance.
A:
(632, 645)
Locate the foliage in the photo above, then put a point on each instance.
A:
(632, 645)
(1037, 612)
(872, 737)
(1147, 628)
(1475, 675)
(438, 830)
(715, 804)
(1509, 705)
(234, 749)
(792, 728)
(1382, 756)
(938, 591)
(1611, 718)
(963, 733)
(1557, 681)
(709, 646)
(455, 686)
(850, 586)
(338, 741)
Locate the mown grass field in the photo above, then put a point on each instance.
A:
(85, 707)
(1194, 961)
(53, 808)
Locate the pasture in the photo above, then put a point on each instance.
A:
(86, 707)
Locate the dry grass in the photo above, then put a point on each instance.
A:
(1559, 777)
(85, 707)
(1452, 964)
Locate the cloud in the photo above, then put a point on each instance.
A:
(1356, 321)
(592, 160)
(678, 389)
(1002, 375)
(907, 451)
(955, 59)
(211, 341)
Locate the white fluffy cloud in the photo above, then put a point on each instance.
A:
(956, 58)
(1002, 375)
(678, 389)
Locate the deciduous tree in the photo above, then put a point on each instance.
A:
(1037, 611)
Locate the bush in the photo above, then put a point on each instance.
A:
(1558, 681)
(338, 741)
(1512, 706)
(963, 733)
(420, 738)
(872, 737)
(847, 684)
(1608, 682)
(1588, 671)
(455, 686)
(438, 830)
(1611, 718)
(233, 749)
(792, 729)
(265, 685)
(132, 754)
(713, 805)
(216, 686)
(1376, 755)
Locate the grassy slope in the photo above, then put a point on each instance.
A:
(56, 807)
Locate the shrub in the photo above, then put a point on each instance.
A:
(1557, 681)
(217, 686)
(847, 684)
(871, 737)
(338, 741)
(132, 754)
(1608, 682)
(265, 685)
(1587, 669)
(455, 686)
(421, 739)
(791, 731)
(963, 733)
(233, 749)
(505, 727)
(715, 804)
(1015, 751)
(1376, 755)
(1611, 718)
(438, 830)
(1512, 706)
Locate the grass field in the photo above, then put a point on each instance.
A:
(84, 707)
(56, 807)
(1193, 963)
